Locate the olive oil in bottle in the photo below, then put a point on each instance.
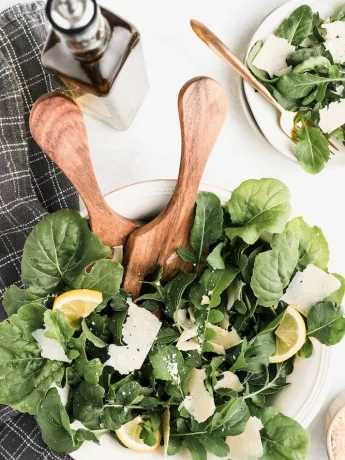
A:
(99, 57)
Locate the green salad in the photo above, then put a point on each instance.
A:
(303, 66)
(191, 364)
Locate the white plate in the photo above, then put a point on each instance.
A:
(301, 400)
(266, 116)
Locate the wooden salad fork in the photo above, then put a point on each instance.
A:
(57, 125)
(202, 105)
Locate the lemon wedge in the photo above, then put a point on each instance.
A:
(290, 336)
(77, 304)
(129, 435)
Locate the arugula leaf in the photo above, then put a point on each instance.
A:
(297, 26)
(87, 401)
(92, 337)
(294, 249)
(282, 437)
(297, 85)
(215, 259)
(28, 319)
(326, 322)
(105, 277)
(89, 435)
(214, 444)
(167, 335)
(58, 327)
(54, 423)
(89, 370)
(256, 206)
(196, 449)
(127, 393)
(337, 296)
(300, 55)
(116, 325)
(119, 302)
(187, 255)
(212, 284)
(208, 223)
(26, 375)
(230, 419)
(14, 298)
(168, 364)
(113, 418)
(174, 290)
(313, 63)
(57, 250)
(312, 149)
(261, 75)
(307, 350)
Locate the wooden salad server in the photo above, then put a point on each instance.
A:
(202, 106)
(57, 125)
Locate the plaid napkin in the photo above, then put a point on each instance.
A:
(30, 184)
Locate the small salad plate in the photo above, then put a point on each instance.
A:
(267, 116)
(301, 400)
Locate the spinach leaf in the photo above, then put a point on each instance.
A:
(105, 277)
(215, 259)
(256, 206)
(87, 401)
(208, 223)
(54, 423)
(57, 250)
(294, 249)
(88, 370)
(326, 322)
(230, 419)
(298, 85)
(14, 298)
(312, 149)
(297, 26)
(282, 437)
(28, 319)
(26, 375)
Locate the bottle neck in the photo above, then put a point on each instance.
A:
(81, 27)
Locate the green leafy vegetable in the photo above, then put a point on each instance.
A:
(87, 402)
(297, 26)
(326, 323)
(14, 298)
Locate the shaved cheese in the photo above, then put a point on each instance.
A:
(199, 403)
(248, 445)
(273, 54)
(139, 332)
(166, 430)
(191, 314)
(227, 339)
(284, 71)
(307, 288)
(50, 348)
(205, 300)
(229, 380)
(182, 319)
(225, 323)
(118, 254)
(332, 116)
(171, 258)
(77, 425)
(335, 40)
(63, 393)
(187, 342)
(219, 349)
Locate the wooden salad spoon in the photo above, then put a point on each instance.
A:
(286, 119)
(202, 106)
(57, 125)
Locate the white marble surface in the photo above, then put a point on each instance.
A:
(150, 148)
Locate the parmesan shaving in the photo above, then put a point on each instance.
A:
(273, 54)
(226, 339)
(198, 402)
(229, 380)
(248, 445)
(50, 348)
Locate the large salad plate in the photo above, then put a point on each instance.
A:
(301, 400)
(267, 116)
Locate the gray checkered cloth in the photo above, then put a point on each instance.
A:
(30, 184)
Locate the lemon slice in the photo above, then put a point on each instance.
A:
(290, 336)
(129, 435)
(77, 304)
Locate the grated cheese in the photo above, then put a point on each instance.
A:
(273, 54)
(139, 332)
(198, 402)
(309, 287)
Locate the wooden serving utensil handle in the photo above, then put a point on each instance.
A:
(216, 45)
(202, 107)
(57, 125)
